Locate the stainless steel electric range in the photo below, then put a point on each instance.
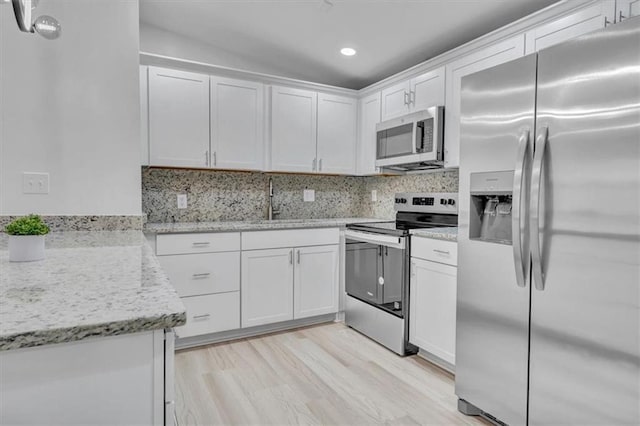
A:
(377, 267)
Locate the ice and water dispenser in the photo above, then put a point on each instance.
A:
(491, 203)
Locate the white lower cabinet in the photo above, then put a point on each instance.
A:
(210, 313)
(315, 284)
(280, 275)
(289, 283)
(267, 286)
(432, 304)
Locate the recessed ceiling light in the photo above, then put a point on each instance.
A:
(348, 51)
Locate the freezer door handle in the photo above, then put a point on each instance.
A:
(517, 231)
(534, 213)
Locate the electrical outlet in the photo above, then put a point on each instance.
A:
(35, 183)
(374, 195)
(309, 195)
(182, 201)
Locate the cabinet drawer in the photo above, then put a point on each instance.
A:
(197, 243)
(207, 273)
(435, 250)
(210, 314)
(258, 240)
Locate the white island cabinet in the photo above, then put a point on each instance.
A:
(86, 334)
(117, 380)
(432, 323)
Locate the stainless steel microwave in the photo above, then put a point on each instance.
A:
(411, 142)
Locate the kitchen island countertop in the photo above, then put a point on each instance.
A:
(91, 284)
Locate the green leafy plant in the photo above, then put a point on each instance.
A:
(27, 225)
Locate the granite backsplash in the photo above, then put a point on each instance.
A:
(230, 196)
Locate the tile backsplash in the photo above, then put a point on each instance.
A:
(225, 196)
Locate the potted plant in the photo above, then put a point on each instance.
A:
(26, 238)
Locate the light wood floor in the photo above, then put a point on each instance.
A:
(326, 374)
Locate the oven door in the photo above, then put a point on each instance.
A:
(363, 266)
(375, 269)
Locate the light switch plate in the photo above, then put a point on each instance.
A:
(182, 201)
(309, 195)
(374, 195)
(35, 183)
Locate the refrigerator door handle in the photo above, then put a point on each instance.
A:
(518, 183)
(534, 213)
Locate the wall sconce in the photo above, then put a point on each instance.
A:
(47, 26)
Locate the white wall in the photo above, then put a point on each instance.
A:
(162, 42)
(70, 107)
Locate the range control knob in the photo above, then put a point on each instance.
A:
(452, 202)
(443, 201)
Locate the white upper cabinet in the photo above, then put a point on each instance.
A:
(316, 281)
(421, 92)
(395, 100)
(427, 90)
(144, 116)
(337, 116)
(626, 9)
(293, 129)
(369, 116)
(178, 118)
(237, 124)
(584, 21)
(479, 60)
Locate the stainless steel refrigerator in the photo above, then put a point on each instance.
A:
(548, 313)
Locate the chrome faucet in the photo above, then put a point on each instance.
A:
(271, 211)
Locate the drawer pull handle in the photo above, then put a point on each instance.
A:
(200, 317)
(442, 251)
(202, 275)
(201, 243)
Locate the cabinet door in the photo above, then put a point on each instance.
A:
(336, 134)
(626, 9)
(266, 286)
(178, 118)
(488, 57)
(369, 111)
(395, 101)
(427, 90)
(571, 26)
(237, 132)
(432, 311)
(315, 290)
(144, 115)
(293, 129)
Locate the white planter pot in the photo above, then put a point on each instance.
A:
(26, 248)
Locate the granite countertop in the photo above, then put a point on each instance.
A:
(251, 225)
(91, 284)
(445, 233)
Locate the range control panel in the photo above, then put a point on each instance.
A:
(433, 202)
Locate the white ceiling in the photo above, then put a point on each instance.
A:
(304, 37)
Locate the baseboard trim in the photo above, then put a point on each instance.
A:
(447, 366)
(241, 333)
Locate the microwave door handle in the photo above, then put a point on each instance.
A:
(414, 137)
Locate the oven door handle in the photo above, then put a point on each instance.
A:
(380, 239)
